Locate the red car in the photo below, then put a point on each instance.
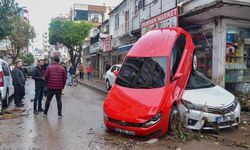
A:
(150, 84)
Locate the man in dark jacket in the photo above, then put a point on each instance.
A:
(55, 76)
(72, 72)
(45, 66)
(37, 75)
(18, 82)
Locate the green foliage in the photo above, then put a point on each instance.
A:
(71, 34)
(29, 59)
(9, 11)
(21, 34)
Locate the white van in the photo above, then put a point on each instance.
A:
(6, 85)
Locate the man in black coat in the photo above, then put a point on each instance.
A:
(37, 75)
(18, 82)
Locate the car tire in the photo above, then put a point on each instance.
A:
(108, 85)
(194, 62)
(6, 100)
(174, 120)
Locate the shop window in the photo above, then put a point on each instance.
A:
(237, 77)
(203, 41)
(177, 52)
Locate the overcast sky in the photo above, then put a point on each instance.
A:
(41, 12)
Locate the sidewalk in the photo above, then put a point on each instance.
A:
(97, 84)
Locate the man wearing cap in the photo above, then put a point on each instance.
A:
(18, 82)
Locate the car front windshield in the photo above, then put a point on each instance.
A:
(198, 81)
(143, 72)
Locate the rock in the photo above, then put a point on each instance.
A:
(152, 141)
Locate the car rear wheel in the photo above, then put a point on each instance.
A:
(108, 85)
(174, 120)
(6, 100)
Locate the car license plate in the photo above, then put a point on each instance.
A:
(224, 118)
(125, 131)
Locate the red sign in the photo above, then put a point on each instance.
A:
(107, 44)
(164, 20)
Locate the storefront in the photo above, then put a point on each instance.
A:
(237, 75)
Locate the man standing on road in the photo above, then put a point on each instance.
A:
(45, 66)
(55, 76)
(37, 75)
(18, 82)
(72, 72)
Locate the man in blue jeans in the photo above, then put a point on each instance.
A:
(72, 72)
(37, 75)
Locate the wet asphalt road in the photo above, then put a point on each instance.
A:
(80, 128)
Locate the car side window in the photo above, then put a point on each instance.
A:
(176, 54)
(113, 68)
(5, 67)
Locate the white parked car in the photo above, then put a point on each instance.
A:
(6, 85)
(110, 76)
(208, 106)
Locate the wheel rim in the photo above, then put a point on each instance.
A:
(195, 62)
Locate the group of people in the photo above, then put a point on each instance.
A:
(49, 81)
(72, 72)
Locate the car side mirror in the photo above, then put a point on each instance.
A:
(116, 73)
(177, 76)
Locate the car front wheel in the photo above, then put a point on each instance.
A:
(108, 85)
(6, 100)
(174, 120)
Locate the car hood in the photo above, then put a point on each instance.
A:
(133, 105)
(214, 96)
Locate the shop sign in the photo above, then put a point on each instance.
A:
(164, 20)
(107, 45)
(94, 48)
(125, 48)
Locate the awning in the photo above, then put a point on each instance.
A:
(125, 48)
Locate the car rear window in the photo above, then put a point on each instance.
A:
(143, 72)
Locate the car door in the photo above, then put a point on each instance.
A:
(112, 75)
(179, 63)
(6, 74)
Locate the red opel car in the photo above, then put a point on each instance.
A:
(143, 101)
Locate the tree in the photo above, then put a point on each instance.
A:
(28, 59)
(9, 11)
(72, 35)
(20, 36)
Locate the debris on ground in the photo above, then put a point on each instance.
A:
(152, 141)
(12, 113)
(244, 99)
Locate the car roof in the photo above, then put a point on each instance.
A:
(156, 43)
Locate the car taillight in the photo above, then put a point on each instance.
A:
(1, 79)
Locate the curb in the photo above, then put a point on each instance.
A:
(94, 88)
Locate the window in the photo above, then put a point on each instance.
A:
(143, 72)
(6, 71)
(117, 21)
(197, 81)
(176, 54)
(113, 69)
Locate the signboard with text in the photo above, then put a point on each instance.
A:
(107, 44)
(164, 20)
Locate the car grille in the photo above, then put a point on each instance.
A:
(123, 123)
(214, 124)
(217, 110)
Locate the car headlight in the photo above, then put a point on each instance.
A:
(236, 102)
(105, 116)
(153, 121)
(192, 106)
